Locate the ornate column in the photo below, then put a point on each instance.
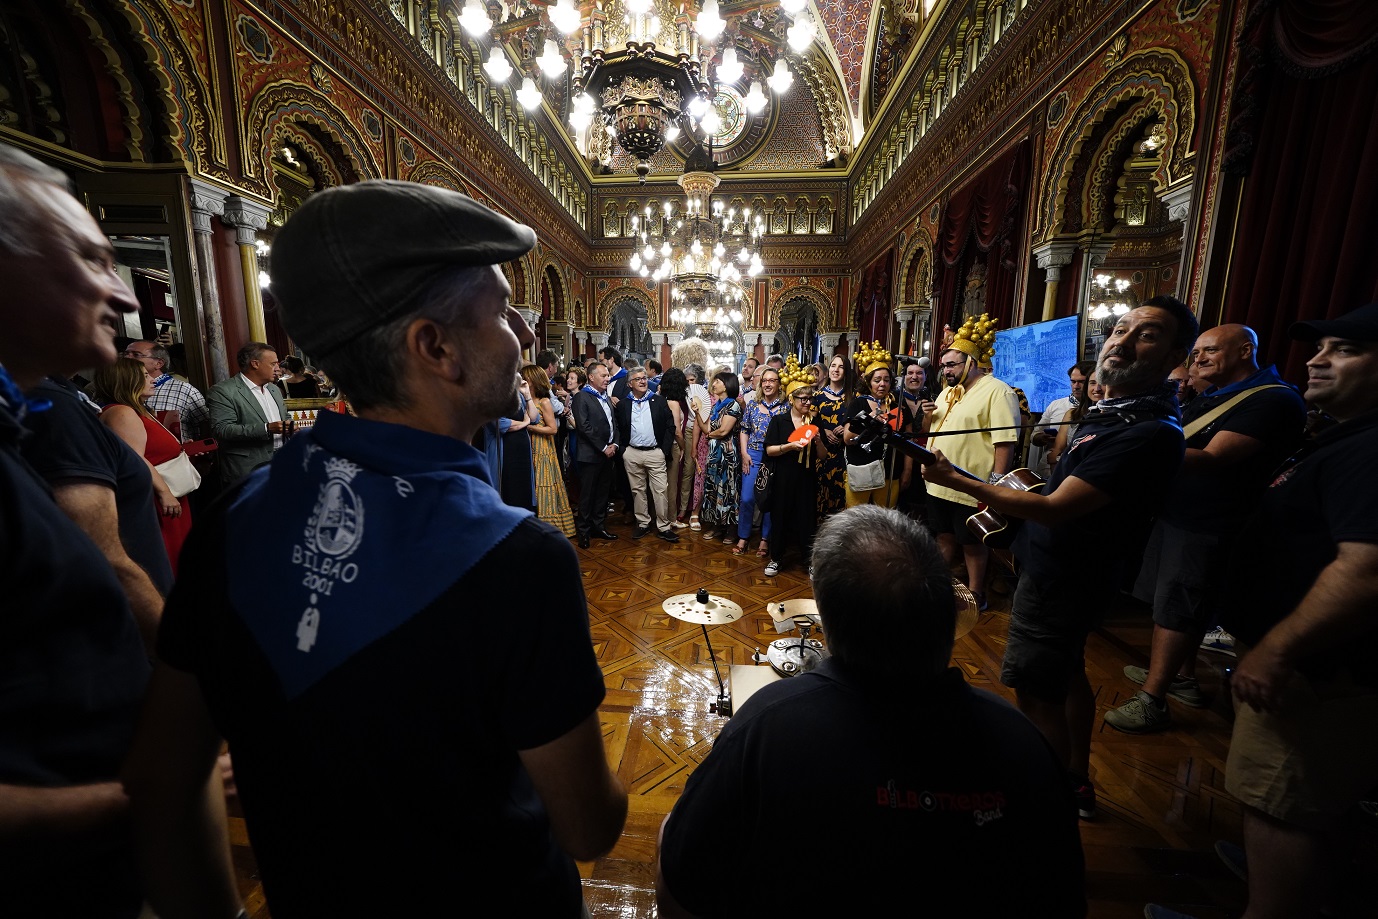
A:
(599, 340)
(581, 338)
(853, 338)
(247, 218)
(530, 317)
(904, 315)
(207, 201)
(829, 340)
(1051, 256)
(1178, 203)
(668, 342)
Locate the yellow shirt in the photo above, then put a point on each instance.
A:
(987, 403)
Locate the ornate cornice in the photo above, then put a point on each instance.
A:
(363, 43)
(1055, 41)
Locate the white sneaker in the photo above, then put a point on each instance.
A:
(1220, 641)
(772, 569)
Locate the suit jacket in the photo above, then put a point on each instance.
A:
(592, 427)
(662, 423)
(237, 422)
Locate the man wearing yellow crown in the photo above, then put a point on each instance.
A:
(972, 398)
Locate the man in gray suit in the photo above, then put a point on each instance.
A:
(247, 414)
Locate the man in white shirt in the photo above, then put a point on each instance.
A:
(1046, 431)
(247, 413)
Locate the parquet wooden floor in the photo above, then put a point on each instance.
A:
(1162, 799)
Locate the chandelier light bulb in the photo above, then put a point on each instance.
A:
(755, 99)
(719, 249)
(497, 67)
(636, 261)
(711, 124)
(698, 106)
(551, 62)
(781, 79)
(638, 7)
(730, 70)
(475, 19)
(580, 121)
(565, 16)
(709, 24)
(672, 132)
(529, 96)
(665, 249)
(801, 34)
(793, 6)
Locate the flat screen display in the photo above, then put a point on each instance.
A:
(1035, 358)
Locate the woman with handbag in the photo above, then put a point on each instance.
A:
(879, 476)
(120, 389)
(794, 453)
(723, 474)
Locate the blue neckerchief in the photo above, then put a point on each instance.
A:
(646, 398)
(1268, 376)
(161, 380)
(15, 399)
(905, 393)
(717, 411)
(595, 393)
(1160, 402)
(377, 521)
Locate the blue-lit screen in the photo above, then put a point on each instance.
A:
(1035, 358)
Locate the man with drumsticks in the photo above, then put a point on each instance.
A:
(1109, 484)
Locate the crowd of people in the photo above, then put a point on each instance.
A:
(318, 605)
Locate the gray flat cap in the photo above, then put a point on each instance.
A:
(352, 258)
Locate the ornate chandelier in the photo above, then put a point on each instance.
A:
(638, 74)
(702, 249)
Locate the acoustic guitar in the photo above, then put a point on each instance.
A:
(993, 528)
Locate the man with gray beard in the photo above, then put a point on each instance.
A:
(1109, 483)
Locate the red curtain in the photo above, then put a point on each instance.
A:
(1304, 131)
(982, 221)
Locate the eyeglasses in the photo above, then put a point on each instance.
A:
(804, 396)
(952, 365)
(135, 354)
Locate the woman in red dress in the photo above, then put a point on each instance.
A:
(120, 389)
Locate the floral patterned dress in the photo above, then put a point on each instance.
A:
(832, 474)
(722, 480)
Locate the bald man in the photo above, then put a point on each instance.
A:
(1245, 422)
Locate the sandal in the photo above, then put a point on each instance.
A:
(761, 550)
(728, 541)
(694, 522)
(709, 535)
(739, 549)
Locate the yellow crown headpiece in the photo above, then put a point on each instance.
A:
(871, 357)
(976, 339)
(793, 376)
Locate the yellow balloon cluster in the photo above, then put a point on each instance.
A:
(870, 356)
(976, 338)
(794, 376)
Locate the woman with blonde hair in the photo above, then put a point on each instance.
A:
(552, 503)
(121, 388)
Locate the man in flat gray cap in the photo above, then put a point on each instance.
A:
(397, 715)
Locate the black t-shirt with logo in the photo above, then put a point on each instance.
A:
(857, 801)
(1325, 499)
(1132, 463)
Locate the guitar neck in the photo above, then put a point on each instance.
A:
(923, 454)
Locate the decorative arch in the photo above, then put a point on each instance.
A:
(827, 309)
(521, 280)
(602, 313)
(1161, 79)
(914, 280)
(440, 175)
(189, 127)
(560, 298)
(286, 103)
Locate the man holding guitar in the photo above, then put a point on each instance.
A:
(1109, 484)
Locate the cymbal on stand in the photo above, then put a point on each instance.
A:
(804, 607)
(967, 609)
(702, 609)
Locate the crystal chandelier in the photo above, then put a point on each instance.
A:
(638, 75)
(1111, 297)
(703, 249)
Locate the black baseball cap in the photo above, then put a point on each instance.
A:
(1356, 325)
(354, 257)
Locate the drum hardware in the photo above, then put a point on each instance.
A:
(706, 610)
(786, 656)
